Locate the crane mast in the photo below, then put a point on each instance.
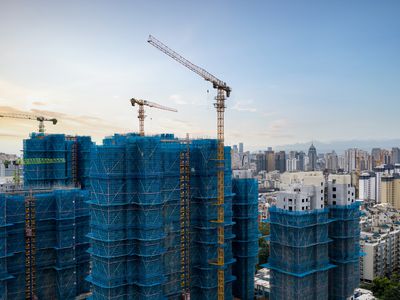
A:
(141, 116)
(223, 92)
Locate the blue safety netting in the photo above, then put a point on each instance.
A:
(245, 243)
(62, 261)
(135, 218)
(58, 171)
(344, 251)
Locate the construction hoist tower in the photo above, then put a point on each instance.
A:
(223, 92)
(184, 164)
(30, 247)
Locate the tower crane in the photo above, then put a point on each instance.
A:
(41, 119)
(223, 92)
(141, 116)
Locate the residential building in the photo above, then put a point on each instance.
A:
(367, 187)
(380, 242)
(390, 190)
(332, 161)
(314, 250)
(395, 155)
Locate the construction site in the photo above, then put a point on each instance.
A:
(136, 217)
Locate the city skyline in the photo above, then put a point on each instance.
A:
(287, 64)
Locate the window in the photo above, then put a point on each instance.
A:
(334, 196)
(302, 208)
(322, 191)
(352, 194)
(322, 184)
(348, 192)
(284, 206)
(290, 200)
(334, 202)
(302, 200)
(322, 198)
(334, 189)
(290, 208)
(322, 206)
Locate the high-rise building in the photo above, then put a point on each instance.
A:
(261, 162)
(138, 243)
(312, 157)
(280, 161)
(357, 160)
(331, 161)
(395, 155)
(310, 256)
(270, 160)
(291, 164)
(301, 162)
(344, 250)
(367, 187)
(390, 190)
(241, 148)
(375, 157)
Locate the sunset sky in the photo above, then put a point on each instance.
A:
(299, 70)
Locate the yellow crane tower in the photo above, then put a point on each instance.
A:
(141, 116)
(223, 92)
(41, 119)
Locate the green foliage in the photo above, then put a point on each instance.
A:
(386, 288)
(263, 244)
(264, 228)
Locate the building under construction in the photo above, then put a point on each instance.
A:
(153, 229)
(314, 240)
(44, 226)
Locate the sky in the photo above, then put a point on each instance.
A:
(299, 70)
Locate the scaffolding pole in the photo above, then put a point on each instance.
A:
(185, 219)
(30, 247)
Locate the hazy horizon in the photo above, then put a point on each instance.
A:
(298, 71)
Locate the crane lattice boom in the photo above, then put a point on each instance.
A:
(217, 83)
(41, 119)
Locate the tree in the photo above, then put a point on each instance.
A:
(392, 292)
(386, 288)
(263, 244)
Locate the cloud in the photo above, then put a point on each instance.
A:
(38, 103)
(177, 99)
(244, 105)
(66, 122)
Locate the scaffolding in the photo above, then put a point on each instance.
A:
(43, 244)
(344, 251)
(245, 244)
(56, 160)
(139, 232)
(299, 260)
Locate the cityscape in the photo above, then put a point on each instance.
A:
(129, 171)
